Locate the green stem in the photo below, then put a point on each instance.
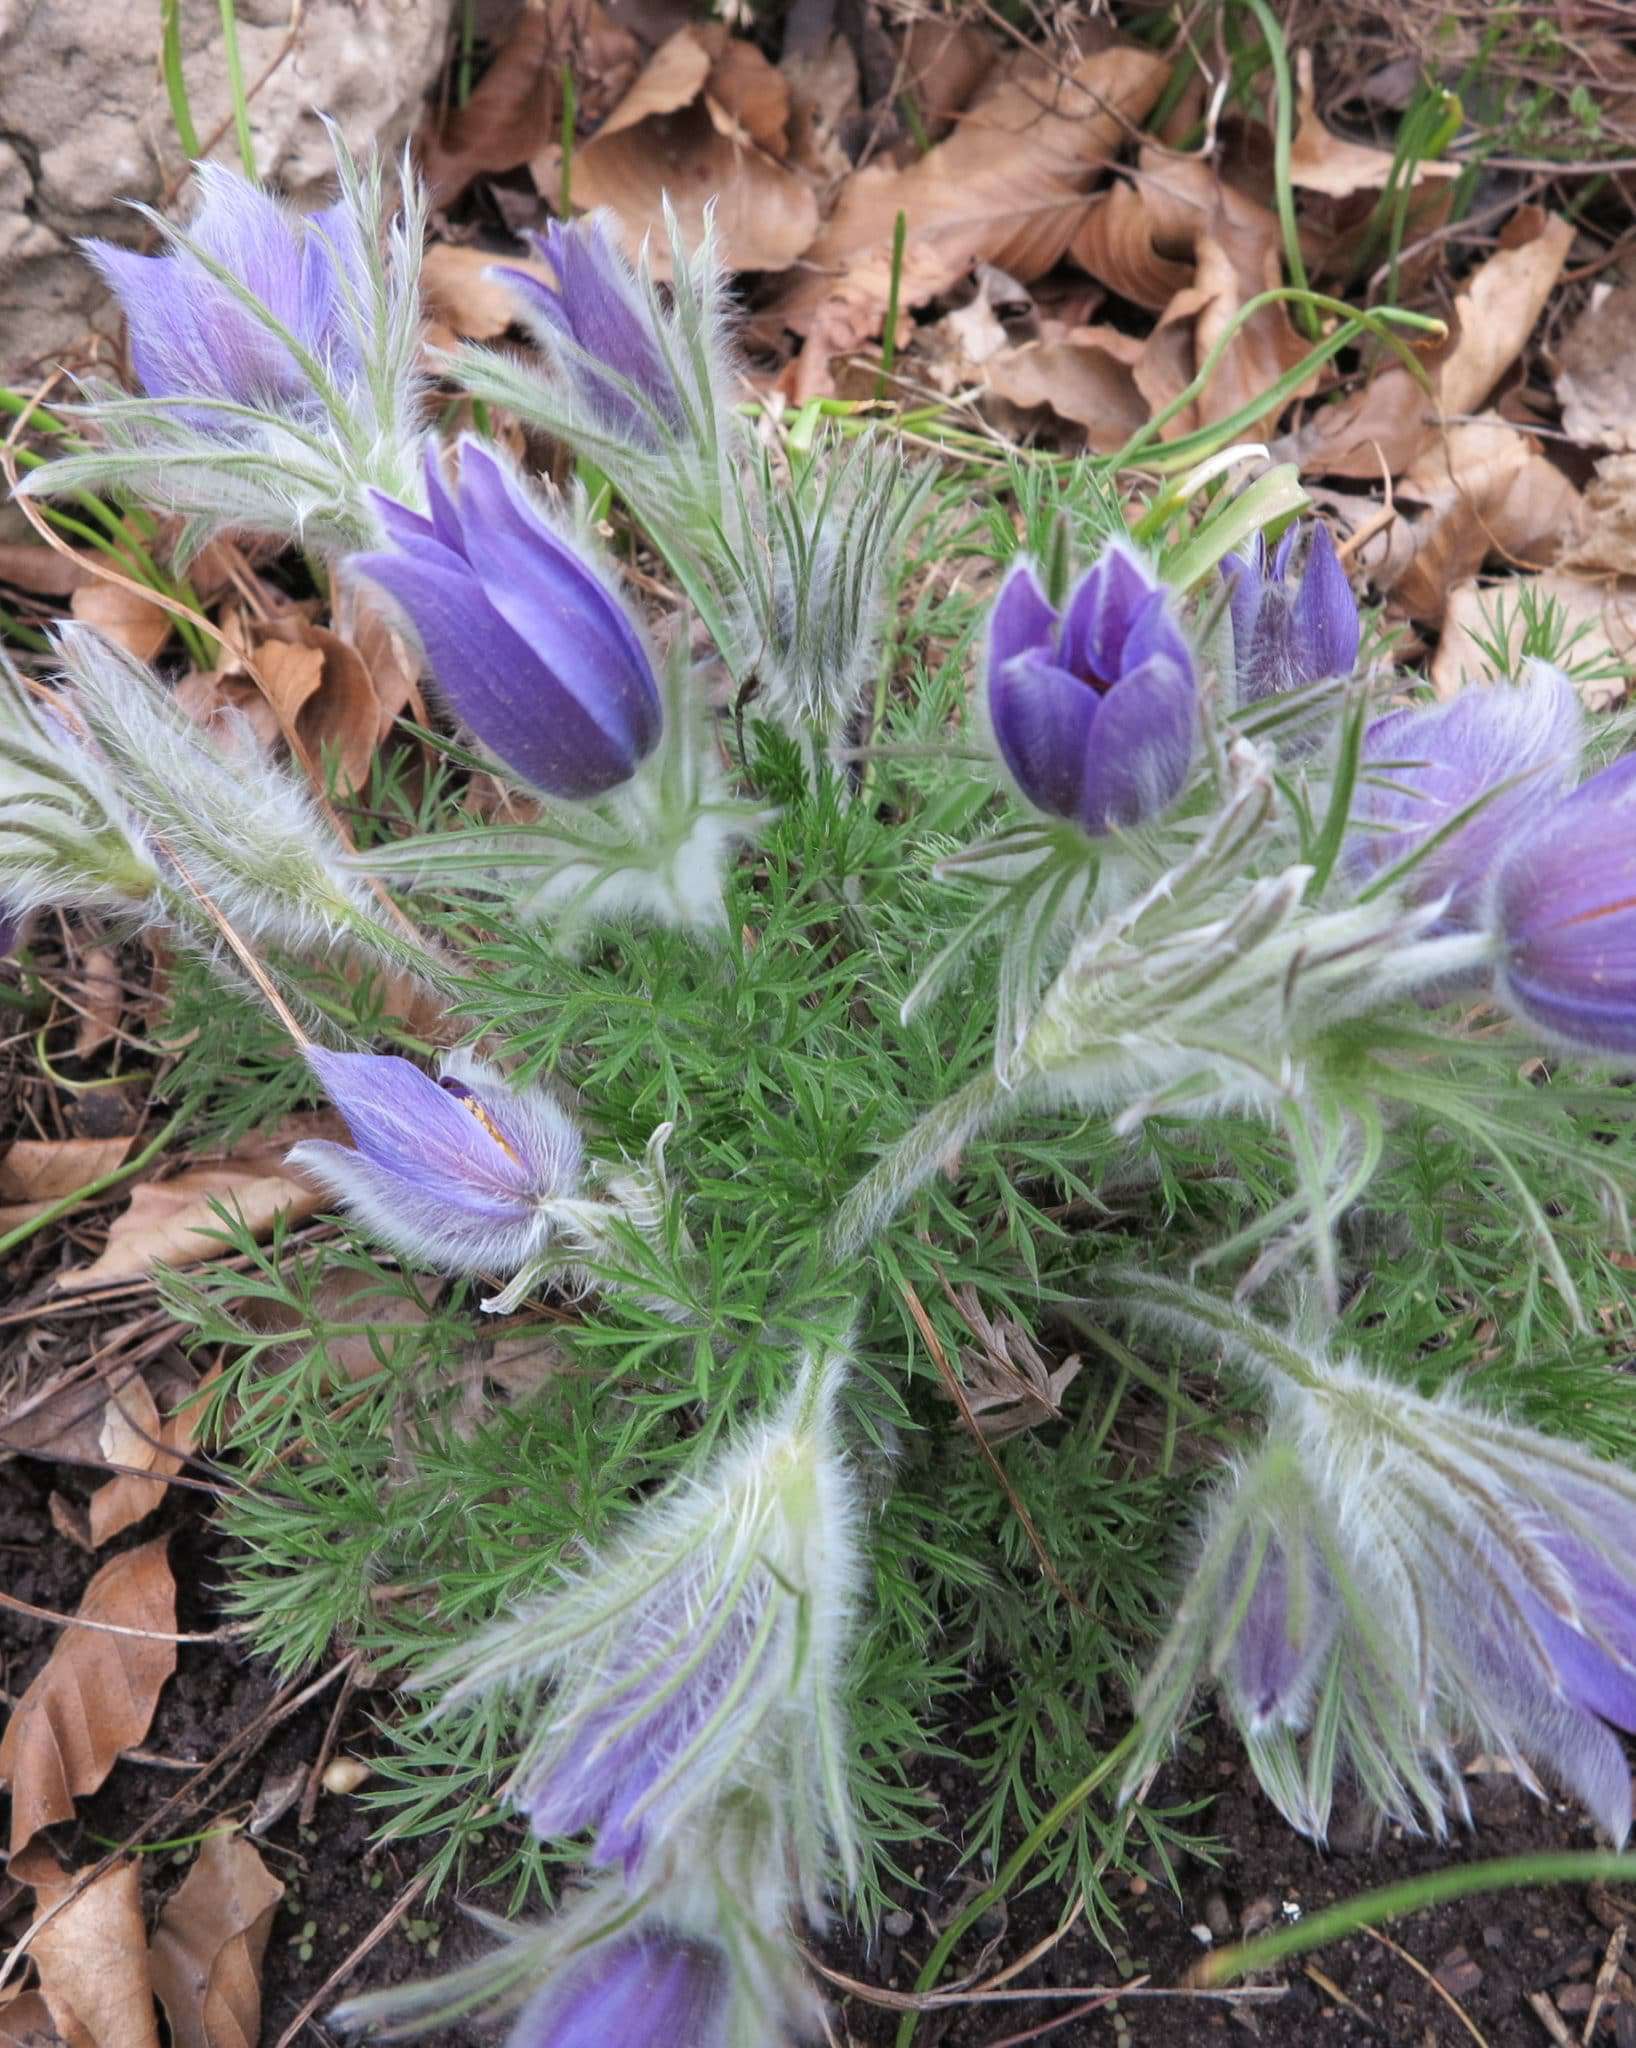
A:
(92, 1188)
(1410, 1895)
(1013, 1867)
(1283, 118)
(909, 1163)
(235, 86)
(175, 84)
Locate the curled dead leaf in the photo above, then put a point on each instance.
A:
(328, 696)
(1084, 374)
(209, 1946)
(174, 1223)
(97, 988)
(1320, 161)
(25, 2021)
(705, 123)
(91, 1953)
(460, 295)
(35, 1172)
(137, 1433)
(1596, 371)
(125, 616)
(94, 1697)
(1606, 543)
(1007, 187)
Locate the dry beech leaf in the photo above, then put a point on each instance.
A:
(35, 1172)
(1326, 163)
(705, 122)
(1083, 374)
(172, 1223)
(1606, 611)
(1495, 312)
(206, 694)
(63, 1418)
(125, 616)
(516, 108)
(1115, 245)
(823, 94)
(98, 988)
(93, 1955)
(208, 1947)
(1596, 371)
(41, 571)
(135, 1432)
(944, 62)
(348, 1297)
(394, 673)
(1006, 188)
(1606, 544)
(94, 1697)
(334, 708)
(1484, 488)
(25, 2022)
(463, 299)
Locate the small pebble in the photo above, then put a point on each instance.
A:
(898, 1923)
(1216, 1916)
(344, 1774)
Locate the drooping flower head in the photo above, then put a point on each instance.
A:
(1461, 783)
(1563, 914)
(194, 336)
(1291, 627)
(531, 649)
(459, 1173)
(1092, 709)
(597, 323)
(698, 1663)
(1394, 1579)
(642, 1987)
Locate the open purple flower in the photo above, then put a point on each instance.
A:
(530, 648)
(1502, 753)
(459, 1173)
(192, 336)
(1092, 709)
(646, 1989)
(597, 307)
(1289, 633)
(1563, 910)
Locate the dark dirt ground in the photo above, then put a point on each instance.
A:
(1448, 1977)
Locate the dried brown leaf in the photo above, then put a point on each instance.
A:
(25, 2021)
(208, 1947)
(1596, 371)
(1320, 161)
(136, 1433)
(705, 122)
(1606, 545)
(125, 616)
(98, 989)
(1084, 374)
(95, 1696)
(393, 670)
(41, 571)
(326, 690)
(1006, 188)
(1392, 417)
(172, 1223)
(92, 1955)
(35, 1172)
(1115, 245)
(944, 62)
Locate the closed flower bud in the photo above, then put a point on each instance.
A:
(1397, 1580)
(637, 1989)
(1563, 914)
(459, 1173)
(698, 1662)
(1092, 709)
(1456, 786)
(596, 322)
(194, 337)
(531, 649)
(1289, 631)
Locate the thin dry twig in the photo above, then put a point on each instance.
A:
(344, 1969)
(230, 1634)
(1442, 1990)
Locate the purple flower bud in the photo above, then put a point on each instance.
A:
(531, 649)
(192, 337)
(597, 306)
(459, 1173)
(1518, 746)
(1287, 1625)
(1093, 710)
(647, 1989)
(1286, 637)
(1564, 912)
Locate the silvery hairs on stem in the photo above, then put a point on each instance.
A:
(278, 356)
(790, 565)
(695, 1668)
(1392, 1582)
(235, 823)
(67, 838)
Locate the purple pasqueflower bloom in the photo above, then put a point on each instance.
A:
(1290, 633)
(1283, 1626)
(530, 648)
(193, 337)
(597, 306)
(1093, 708)
(644, 1989)
(460, 1173)
(1501, 752)
(1563, 914)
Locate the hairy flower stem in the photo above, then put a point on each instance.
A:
(936, 1139)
